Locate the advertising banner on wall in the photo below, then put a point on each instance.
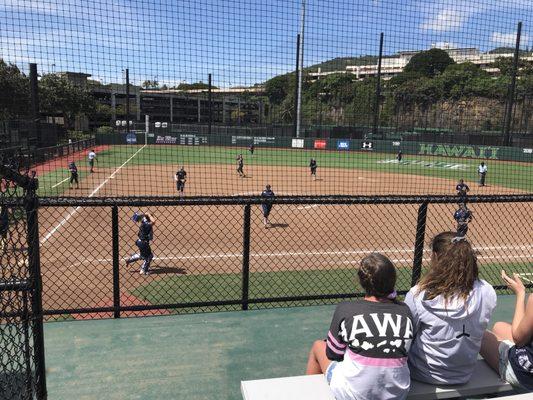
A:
(131, 138)
(343, 145)
(367, 145)
(247, 140)
(192, 140)
(298, 143)
(320, 144)
(166, 139)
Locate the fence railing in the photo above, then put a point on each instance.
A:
(214, 253)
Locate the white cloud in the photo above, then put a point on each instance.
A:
(445, 20)
(509, 39)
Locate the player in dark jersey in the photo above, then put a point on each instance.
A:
(180, 178)
(73, 174)
(145, 235)
(463, 216)
(267, 194)
(399, 156)
(462, 190)
(251, 149)
(240, 166)
(313, 166)
(4, 227)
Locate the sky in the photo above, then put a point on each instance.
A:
(240, 42)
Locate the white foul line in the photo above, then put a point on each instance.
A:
(321, 253)
(59, 183)
(74, 210)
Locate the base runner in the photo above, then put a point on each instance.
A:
(145, 235)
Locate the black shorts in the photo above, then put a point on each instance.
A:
(266, 209)
(462, 229)
(144, 248)
(180, 186)
(313, 171)
(91, 163)
(74, 177)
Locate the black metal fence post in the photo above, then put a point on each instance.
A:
(116, 274)
(34, 263)
(34, 97)
(378, 88)
(419, 243)
(295, 119)
(246, 256)
(511, 90)
(127, 100)
(210, 103)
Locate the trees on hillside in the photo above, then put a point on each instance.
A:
(429, 63)
(58, 96)
(15, 93)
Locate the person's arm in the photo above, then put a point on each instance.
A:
(176, 177)
(152, 220)
(522, 326)
(410, 302)
(335, 346)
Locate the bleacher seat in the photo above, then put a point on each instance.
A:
(314, 387)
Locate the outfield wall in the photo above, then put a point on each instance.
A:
(379, 146)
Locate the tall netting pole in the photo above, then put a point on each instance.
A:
(512, 87)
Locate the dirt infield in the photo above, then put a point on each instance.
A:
(76, 243)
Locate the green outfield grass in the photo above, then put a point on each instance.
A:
(210, 287)
(502, 173)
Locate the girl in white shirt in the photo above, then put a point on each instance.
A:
(451, 309)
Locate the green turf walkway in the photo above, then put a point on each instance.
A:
(199, 356)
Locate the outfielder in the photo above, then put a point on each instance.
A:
(313, 167)
(240, 166)
(146, 234)
(180, 178)
(399, 156)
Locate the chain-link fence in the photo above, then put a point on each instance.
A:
(21, 331)
(217, 254)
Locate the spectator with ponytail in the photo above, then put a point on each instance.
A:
(451, 309)
(365, 353)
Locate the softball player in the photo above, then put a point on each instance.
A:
(92, 157)
(145, 235)
(313, 166)
(180, 178)
(240, 166)
(399, 156)
(73, 175)
(462, 190)
(251, 149)
(267, 194)
(463, 216)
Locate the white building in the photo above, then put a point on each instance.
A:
(391, 66)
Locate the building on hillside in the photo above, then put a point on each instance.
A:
(392, 66)
(232, 106)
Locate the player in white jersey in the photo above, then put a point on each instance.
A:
(92, 156)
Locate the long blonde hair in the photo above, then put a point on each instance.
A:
(453, 268)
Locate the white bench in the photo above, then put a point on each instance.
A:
(314, 387)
